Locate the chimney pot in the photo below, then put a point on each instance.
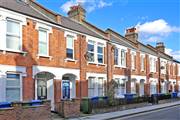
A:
(132, 34)
(160, 46)
(77, 13)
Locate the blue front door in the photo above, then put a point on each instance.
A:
(66, 89)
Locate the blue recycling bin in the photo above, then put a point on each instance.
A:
(94, 100)
(129, 97)
(36, 102)
(5, 104)
(174, 94)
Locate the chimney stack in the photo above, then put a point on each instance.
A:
(160, 46)
(77, 13)
(132, 34)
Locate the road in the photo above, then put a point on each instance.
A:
(171, 113)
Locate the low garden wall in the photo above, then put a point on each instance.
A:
(68, 108)
(26, 111)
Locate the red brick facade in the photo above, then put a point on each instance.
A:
(57, 59)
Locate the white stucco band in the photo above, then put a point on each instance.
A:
(9, 68)
(96, 75)
(139, 78)
(172, 81)
(58, 72)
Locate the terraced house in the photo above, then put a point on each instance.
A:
(44, 55)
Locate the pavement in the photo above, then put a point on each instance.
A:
(125, 113)
(170, 113)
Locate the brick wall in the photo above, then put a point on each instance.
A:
(68, 108)
(19, 112)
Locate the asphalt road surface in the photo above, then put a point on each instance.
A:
(171, 113)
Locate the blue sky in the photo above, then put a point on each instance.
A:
(156, 20)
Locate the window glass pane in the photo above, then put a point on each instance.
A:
(13, 42)
(116, 54)
(100, 58)
(13, 28)
(12, 94)
(91, 47)
(123, 58)
(43, 36)
(91, 57)
(17, 76)
(91, 86)
(69, 53)
(13, 80)
(43, 42)
(100, 49)
(43, 48)
(70, 41)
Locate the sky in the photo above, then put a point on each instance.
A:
(156, 20)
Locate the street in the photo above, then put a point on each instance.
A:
(171, 113)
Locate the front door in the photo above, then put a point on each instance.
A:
(66, 89)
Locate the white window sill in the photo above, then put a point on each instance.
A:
(97, 64)
(101, 64)
(13, 51)
(91, 63)
(70, 60)
(119, 66)
(44, 56)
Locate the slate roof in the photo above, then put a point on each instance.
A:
(26, 9)
(120, 41)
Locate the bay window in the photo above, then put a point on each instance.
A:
(70, 47)
(133, 86)
(101, 86)
(91, 86)
(13, 87)
(43, 42)
(121, 89)
(13, 35)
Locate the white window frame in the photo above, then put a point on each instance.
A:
(47, 39)
(133, 61)
(90, 88)
(91, 42)
(119, 88)
(100, 45)
(9, 34)
(142, 62)
(20, 86)
(163, 63)
(116, 56)
(101, 86)
(152, 64)
(133, 81)
(96, 44)
(70, 48)
(123, 65)
(49, 30)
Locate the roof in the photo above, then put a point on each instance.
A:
(23, 8)
(146, 49)
(33, 10)
(119, 39)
